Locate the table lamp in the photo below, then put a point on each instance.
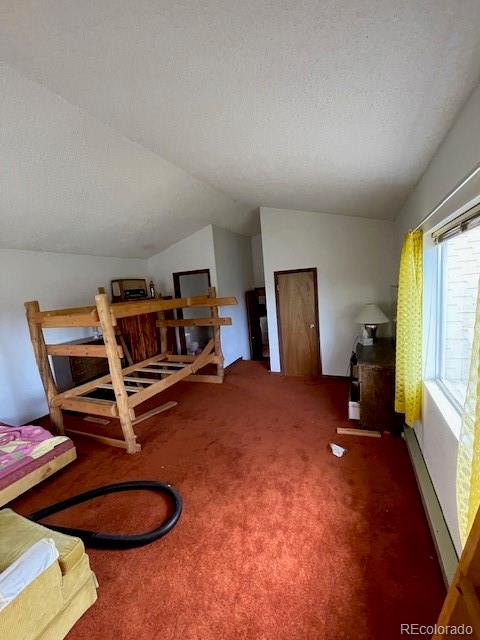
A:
(371, 316)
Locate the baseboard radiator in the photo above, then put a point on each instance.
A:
(444, 546)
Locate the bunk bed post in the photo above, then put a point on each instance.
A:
(119, 334)
(212, 293)
(163, 330)
(115, 365)
(43, 364)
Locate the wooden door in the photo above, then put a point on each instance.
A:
(297, 315)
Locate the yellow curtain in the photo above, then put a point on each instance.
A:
(468, 462)
(408, 375)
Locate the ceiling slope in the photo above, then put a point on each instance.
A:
(70, 184)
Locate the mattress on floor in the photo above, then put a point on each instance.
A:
(28, 464)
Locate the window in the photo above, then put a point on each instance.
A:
(459, 270)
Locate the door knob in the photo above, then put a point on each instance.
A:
(312, 326)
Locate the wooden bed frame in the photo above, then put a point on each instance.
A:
(129, 385)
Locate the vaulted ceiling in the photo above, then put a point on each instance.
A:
(128, 125)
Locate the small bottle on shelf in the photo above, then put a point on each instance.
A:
(152, 289)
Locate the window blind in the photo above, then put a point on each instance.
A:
(460, 224)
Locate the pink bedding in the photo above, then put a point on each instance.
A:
(20, 445)
(31, 464)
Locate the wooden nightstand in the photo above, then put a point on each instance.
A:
(376, 381)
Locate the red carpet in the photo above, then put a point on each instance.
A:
(279, 540)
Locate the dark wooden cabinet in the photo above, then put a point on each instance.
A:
(71, 371)
(376, 379)
(141, 335)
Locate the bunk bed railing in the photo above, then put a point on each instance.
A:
(88, 316)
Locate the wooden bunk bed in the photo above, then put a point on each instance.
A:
(136, 383)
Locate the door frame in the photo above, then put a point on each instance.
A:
(176, 286)
(249, 295)
(312, 270)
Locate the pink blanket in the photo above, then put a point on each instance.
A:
(19, 445)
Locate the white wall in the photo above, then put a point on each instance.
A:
(257, 261)
(233, 257)
(194, 252)
(55, 280)
(356, 264)
(456, 157)
(228, 256)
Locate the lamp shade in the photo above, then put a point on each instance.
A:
(371, 314)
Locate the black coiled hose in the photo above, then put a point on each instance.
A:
(101, 540)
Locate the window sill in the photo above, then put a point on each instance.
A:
(448, 410)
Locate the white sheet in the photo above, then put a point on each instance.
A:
(25, 569)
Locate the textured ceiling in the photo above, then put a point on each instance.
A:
(70, 184)
(320, 105)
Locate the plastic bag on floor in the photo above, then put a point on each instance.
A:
(337, 450)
